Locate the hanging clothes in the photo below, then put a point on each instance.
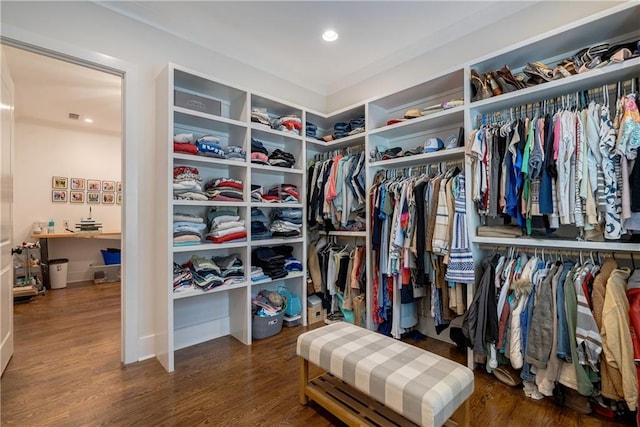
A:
(573, 169)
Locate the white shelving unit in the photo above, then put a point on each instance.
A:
(190, 317)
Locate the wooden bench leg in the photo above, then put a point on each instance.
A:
(304, 379)
(462, 415)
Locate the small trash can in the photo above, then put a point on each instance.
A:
(58, 273)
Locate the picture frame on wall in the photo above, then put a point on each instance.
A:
(94, 185)
(59, 196)
(76, 196)
(77, 183)
(108, 198)
(60, 183)
(108, 185)
(93, 197)
(119, 186)
(119, 198)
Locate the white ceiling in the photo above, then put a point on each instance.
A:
(47, 89)
(284, 37)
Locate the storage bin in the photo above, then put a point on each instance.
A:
(106, 273)
(198, 103)
(315, 315)
(111, 256)
(265, 327)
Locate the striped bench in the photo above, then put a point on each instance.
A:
(371, 379)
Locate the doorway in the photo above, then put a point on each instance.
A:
(68, 124)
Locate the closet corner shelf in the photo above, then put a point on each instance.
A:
(265, 129)
(441, 119)
(275, 205)
(579, 245)
(209, 246)
(275, 169)
(208, 160)
(199, 292)
(347, 233)
(421, 159)
(220, 119)
(336, 144)
(276, 241)
(590, 79)
(293, 275)
(207, 203)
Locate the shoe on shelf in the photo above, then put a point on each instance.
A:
(334, 317)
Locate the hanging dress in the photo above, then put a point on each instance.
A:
(461, 267)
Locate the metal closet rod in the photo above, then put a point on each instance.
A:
(348, 150)
(568, 100)
(559, 251)
(419, 170)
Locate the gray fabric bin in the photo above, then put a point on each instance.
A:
(265, 327)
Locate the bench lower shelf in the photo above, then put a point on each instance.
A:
(354, 407)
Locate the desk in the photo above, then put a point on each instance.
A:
(43, 239)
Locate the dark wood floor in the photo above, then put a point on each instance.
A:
(66, 371)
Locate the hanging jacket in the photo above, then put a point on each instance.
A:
(616, 338)
(480, 322)
(541, 332)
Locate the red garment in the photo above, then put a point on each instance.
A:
(185, 147)
(292, 124)
(228, 237)
(229, 184)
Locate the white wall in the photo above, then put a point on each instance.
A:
(89, 27)
(42, 151)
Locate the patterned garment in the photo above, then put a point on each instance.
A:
(461, 267)
(423, 387)
(613, 221)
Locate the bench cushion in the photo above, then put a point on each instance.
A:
(423, 387)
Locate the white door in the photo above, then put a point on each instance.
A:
(6, 219)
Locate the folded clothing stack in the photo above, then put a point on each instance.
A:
(225, 225)
(182, 278)
(257, 274)
(271, 263)
(290, 123)
(261, 116)
(291, 263)
(187, 184)
(286, 222)
(187, 229)
(356, 125)
(209, 146)
(231, 268)
(184, 143)
(259, 225)
(206, 273)
(235, 152)
(311, 130)
(281, 158)
(283, 193)
(259, 154)
(340, 130)
(206, 145)
(224, 189)
(256, 193)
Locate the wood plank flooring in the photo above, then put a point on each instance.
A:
(66, 371)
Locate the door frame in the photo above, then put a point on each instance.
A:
(131, 94)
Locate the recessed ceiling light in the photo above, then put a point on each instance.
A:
(330, 36)
(88, 120)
